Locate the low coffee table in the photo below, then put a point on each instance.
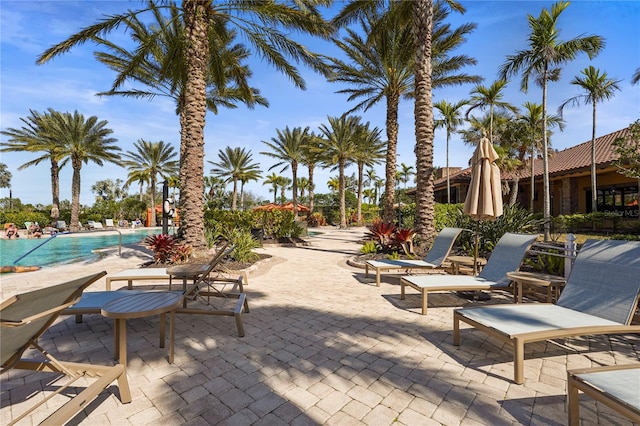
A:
(141, 305)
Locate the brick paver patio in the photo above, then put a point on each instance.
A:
(323, 345)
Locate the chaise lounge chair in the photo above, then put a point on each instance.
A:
(24, 318)
(434, 259)
(202, 288)
(506, 257)
(600, 297)
(616, 386)
(109, 223)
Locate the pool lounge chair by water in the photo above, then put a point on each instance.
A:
(600, 297)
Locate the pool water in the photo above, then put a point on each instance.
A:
(65, 248)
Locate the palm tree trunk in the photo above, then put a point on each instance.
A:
(55, 190)
(192, 133)
(594, 187)
(152, 216)
(448, 180)
(75, 196)
(294, 175)
(360, 176)
(234, 196)
(341, 191)
(311, 170)
(545, 162)
(514, 190)
(391, 160)
(423, 112)
(533, 179)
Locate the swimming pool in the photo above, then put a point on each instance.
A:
(66, 248)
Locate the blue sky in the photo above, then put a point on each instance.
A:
(70, 82)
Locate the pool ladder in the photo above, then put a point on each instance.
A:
(55, 235)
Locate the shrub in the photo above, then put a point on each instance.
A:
(369, 247)
(166, 249)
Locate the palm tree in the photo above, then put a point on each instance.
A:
(405, 173)
(141, 177)
(265, 25)
(334, 184)
(288, 147)
(274, 180)
(339, 146)
(542, 61)
(532, 142)
(310, 158)
(5, 176)
(482, 97)
(450, 120)
(636, 76)
(151, 159)
(303, 185)
(82, 141)
(370, 149)
(34, 136)
(247, 176)
(215, 187)
(234, 164)
(382, 66)
(598, 88)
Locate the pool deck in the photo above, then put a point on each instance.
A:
(323, 345)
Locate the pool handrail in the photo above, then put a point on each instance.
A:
(35, 248)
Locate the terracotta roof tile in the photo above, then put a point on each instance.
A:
(568, 160)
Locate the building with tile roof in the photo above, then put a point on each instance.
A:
(569, 180)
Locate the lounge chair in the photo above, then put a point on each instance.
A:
(600, 297)
(434, 259)
(616, 386)
(506, 256)
(197, 284)
(24, 318)
(109, 223)
(61, 226)
(92, 224)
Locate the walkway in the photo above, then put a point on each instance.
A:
(323, 345)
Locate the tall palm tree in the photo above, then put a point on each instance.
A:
(274, 180)
(288, 148)
(542, 61)
(234, 164)
(82, 141)
(141, 177)
(303, 185)
(35, 136)
(370, 149)
(266, 25)
(405, 173)
(151, 159)
(338, 147)
(382, 67)
(450, 119)
(248, 176)
(311, 157)
(483, 97)
(532, 142)
(214, 188)
(5, 176)
(598, 88)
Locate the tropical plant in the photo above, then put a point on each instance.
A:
(311, 158)
(382, 233)
(150, 159)
(483, 97)
(34, 136)
(288, 148)
(598, 88)
(339, 147)
(542, 62)
(450, 119)
(81, 141)
(167, 249)
(382, 66)
(265, 25)
(369, 151)
(5, 176)
(234, 164)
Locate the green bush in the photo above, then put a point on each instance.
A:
(369, 247)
